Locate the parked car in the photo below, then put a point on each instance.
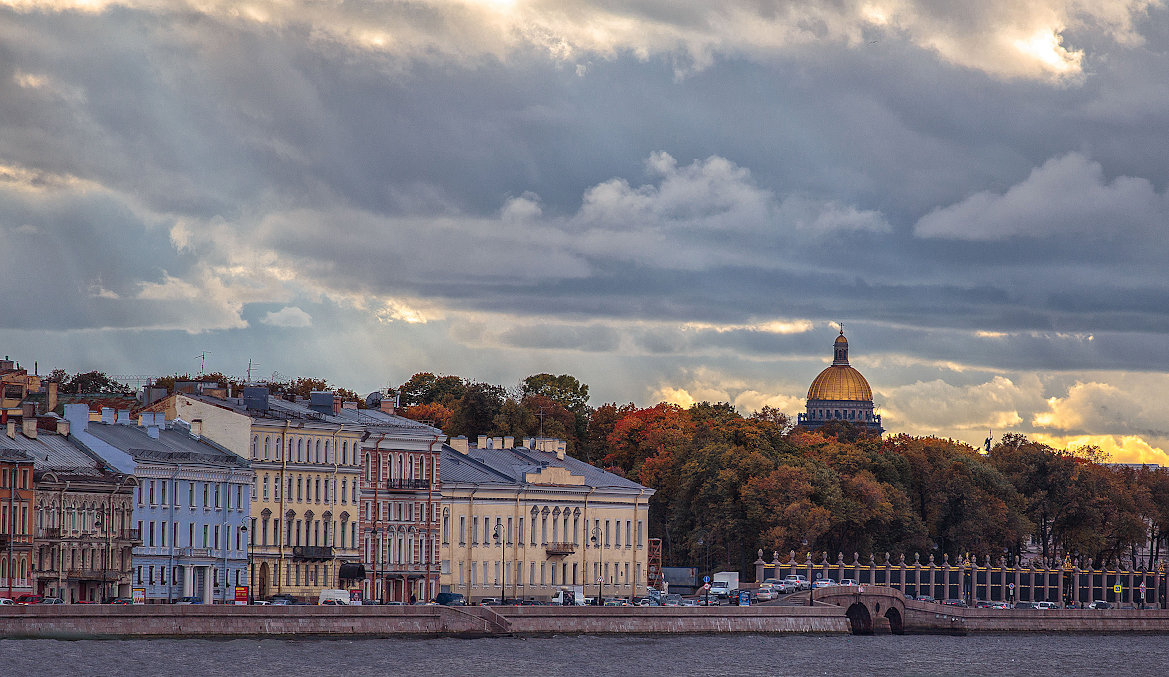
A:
(824, 583)
(489, 601)
(125, 600)
(708, 600)
(451, 599)
(282, 600)
(1100, 604)
(689, 602)
(53, 600)
(799, 581)
(261, 602)
(849, 581)
(1026, 605)
(1047, 605)
(29, 599)
(672, 600)
(954, 602)
(7, 601)
(190, 599)
(926, 598)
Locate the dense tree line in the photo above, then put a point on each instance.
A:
(728, 485)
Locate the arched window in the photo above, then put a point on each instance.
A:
(279, 445)
(328, 456)
(267, 443)
(255, 446)
(299, 450)
(319, 459)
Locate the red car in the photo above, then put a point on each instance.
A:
(30, 599)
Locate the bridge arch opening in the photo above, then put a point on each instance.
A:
(896, 624)
(861, 620)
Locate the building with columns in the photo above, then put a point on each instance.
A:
(840, 394)
(84, 539)
(520, 522)
(304, 498)
(191, 505)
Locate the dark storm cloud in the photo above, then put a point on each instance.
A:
(914, 175)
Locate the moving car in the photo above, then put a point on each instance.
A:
(954, 602)
(29, 599)
(53, 600)
(824, 583)
(849, 581)
(1026, 605)
(799, 581)
(1100, 604)
(6, 601)
(1046, 605)
(333, 597)
(190, 599)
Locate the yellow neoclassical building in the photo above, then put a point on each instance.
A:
(521, 522)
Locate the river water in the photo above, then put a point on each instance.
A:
(1031, 655)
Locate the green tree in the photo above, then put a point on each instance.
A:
(564, 389)
(93, 383)
(474, 412)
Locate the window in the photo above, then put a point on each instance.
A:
(206, 494)
(509, 541)
(265, 487)
(446, 528)
(163, 534)
(462, 530)
(275, 488)
(520, 531)
(628, 533)
(344, 491)
(164, 487)
(151, 492)
(150, 539)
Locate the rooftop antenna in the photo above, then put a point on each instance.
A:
(541, 415)
(202, 357)
(251, 365)
(987, 443)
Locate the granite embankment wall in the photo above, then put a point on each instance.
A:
(80, 621)
(934, 618)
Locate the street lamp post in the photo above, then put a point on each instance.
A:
(596, 541)
(251, 574)
(497, 535)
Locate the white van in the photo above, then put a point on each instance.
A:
(334, 598)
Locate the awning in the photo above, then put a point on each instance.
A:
(351, 571)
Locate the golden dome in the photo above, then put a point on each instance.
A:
(840, 382)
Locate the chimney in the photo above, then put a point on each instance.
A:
(78, 415)
(152, 432)
(561, 448)
(482, 442)
(12, 428)
(124, 417)
(460, 444)
(497, 443)
(196, 428)
(63, 427)
(508, 442)
(387, 406)
(107, 414)
(30, 427)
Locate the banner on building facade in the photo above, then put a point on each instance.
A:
(138, 595)
(241, 594)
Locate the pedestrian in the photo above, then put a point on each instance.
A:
(413, 599)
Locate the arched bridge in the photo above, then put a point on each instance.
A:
(871, 608)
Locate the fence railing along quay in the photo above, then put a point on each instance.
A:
(1074, 583)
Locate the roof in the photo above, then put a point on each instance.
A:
(511, 467)
(840, 382)
(280, 409)
(96, 402)
(50, 451)
(174, 445)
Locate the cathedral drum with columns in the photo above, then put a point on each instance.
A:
(840, 393)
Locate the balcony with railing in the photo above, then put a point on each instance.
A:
(560, 549)
(404, 484)
(49, 533)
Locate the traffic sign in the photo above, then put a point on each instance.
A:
(1142, 586)
(706, 579)
(600, 579)
(1116, 588)
(706, 586)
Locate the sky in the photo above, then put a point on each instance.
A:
(671, 200)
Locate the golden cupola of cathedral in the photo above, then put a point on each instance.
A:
(840, 393)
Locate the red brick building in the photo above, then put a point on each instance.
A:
(16, 515)
(401, 499)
